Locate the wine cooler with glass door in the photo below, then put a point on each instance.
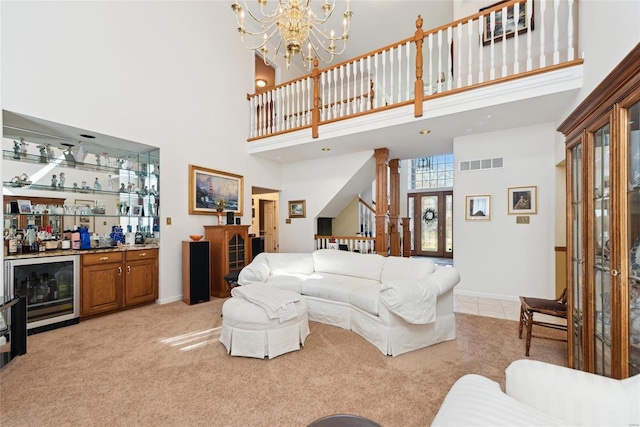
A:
(51, 286)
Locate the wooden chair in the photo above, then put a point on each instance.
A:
(529, 306)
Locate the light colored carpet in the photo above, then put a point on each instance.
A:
(131, 368)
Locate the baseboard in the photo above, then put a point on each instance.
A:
(169, 300)
(486, 295)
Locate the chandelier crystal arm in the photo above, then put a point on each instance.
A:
(298, 26)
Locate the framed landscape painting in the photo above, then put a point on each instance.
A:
(211, 189)
(297, 209)
(522, 200)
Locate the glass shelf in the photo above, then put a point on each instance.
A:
(41, 187)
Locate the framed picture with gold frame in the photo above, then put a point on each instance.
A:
(522, 200)
(297, 209)
(477, 208)
(210, 189)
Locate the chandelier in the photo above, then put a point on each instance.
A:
(298, 28)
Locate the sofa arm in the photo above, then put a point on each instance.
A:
(579, 398)
(478, 401)
(445, 278)
(257, 271)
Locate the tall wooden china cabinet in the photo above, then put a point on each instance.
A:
(603, 225)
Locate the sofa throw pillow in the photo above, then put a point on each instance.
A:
(413, 301)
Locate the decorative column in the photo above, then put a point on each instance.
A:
(382, 158)
(418, 89)
(394, 207)
(406, 236)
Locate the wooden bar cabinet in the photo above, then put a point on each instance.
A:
(229, 250)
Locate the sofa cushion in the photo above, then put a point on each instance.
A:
(398, 268)
(368, 266)
(280, 263)
(334, 287)
(414, 301)
(288, 282)
(367, 299)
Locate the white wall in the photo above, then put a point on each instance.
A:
(499, 258)
(347, 223)
(150, 72)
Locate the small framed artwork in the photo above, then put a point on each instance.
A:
(494, 31)
(477, 208)
(522, 200)
(83, 216)
(210, 190)
(136, 210)
(297, 209)
(24, 206)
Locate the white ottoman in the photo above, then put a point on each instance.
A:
(248, 331)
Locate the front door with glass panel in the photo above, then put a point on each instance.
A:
(432, 223)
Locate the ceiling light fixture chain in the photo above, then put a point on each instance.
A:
(298, 27)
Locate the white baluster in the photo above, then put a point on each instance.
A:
(504, 41)
(459, 84)
(481, 30)
(449, 72)
(363, 100)
(297, 99)
(391, 78)
(384, 77)
(305, 103)
(335, 93)
(543, 7)
(570, 46)
(470, 58)
(342, 100)
(376, 80)
(529, 6)
(439, 60)
(491, 35)
(348, 86)
(408, 59)
(556, 30)
(368, 102)
(322, 96)
(516, 44)
(430, 56)
(354, 103)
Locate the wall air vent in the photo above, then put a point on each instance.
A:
(476, 165)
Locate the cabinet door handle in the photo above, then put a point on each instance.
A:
(119, 271)
(143, 254)
(128, 269)
(104, 258)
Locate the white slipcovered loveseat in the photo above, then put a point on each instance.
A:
(397, 304)
(541, 394)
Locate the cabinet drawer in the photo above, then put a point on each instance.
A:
(101, 258)
(141, 254)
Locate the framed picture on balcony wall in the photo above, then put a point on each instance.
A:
(499, 27)
(522, 200)
(211, 190)
(477, 208)
(297, 209)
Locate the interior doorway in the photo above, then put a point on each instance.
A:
(431, 223)
(264, 217)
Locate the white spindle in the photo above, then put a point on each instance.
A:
(354, 103)
(491, 34)
(335, 92)
(481, 30)
(298, 106)
(556, 35)
(459, 84)
(408, 61)
(449, 78)
(347, 107)
(367, 83)
(516, 44)
(570, 46)
(430, 56)
(323, 96)
(504, 40)
(439, 60)
(375, 81)
(391, 79)
(305, 103)
(543, 7)
(362, 87)
(529, 6)
(342, 100)
(384, 77)
(470, 58)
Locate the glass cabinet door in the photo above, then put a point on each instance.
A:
(633, 236)
(577, 315)
(601, 263)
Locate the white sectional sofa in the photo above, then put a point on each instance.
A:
(397, 304)
(541, 394)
